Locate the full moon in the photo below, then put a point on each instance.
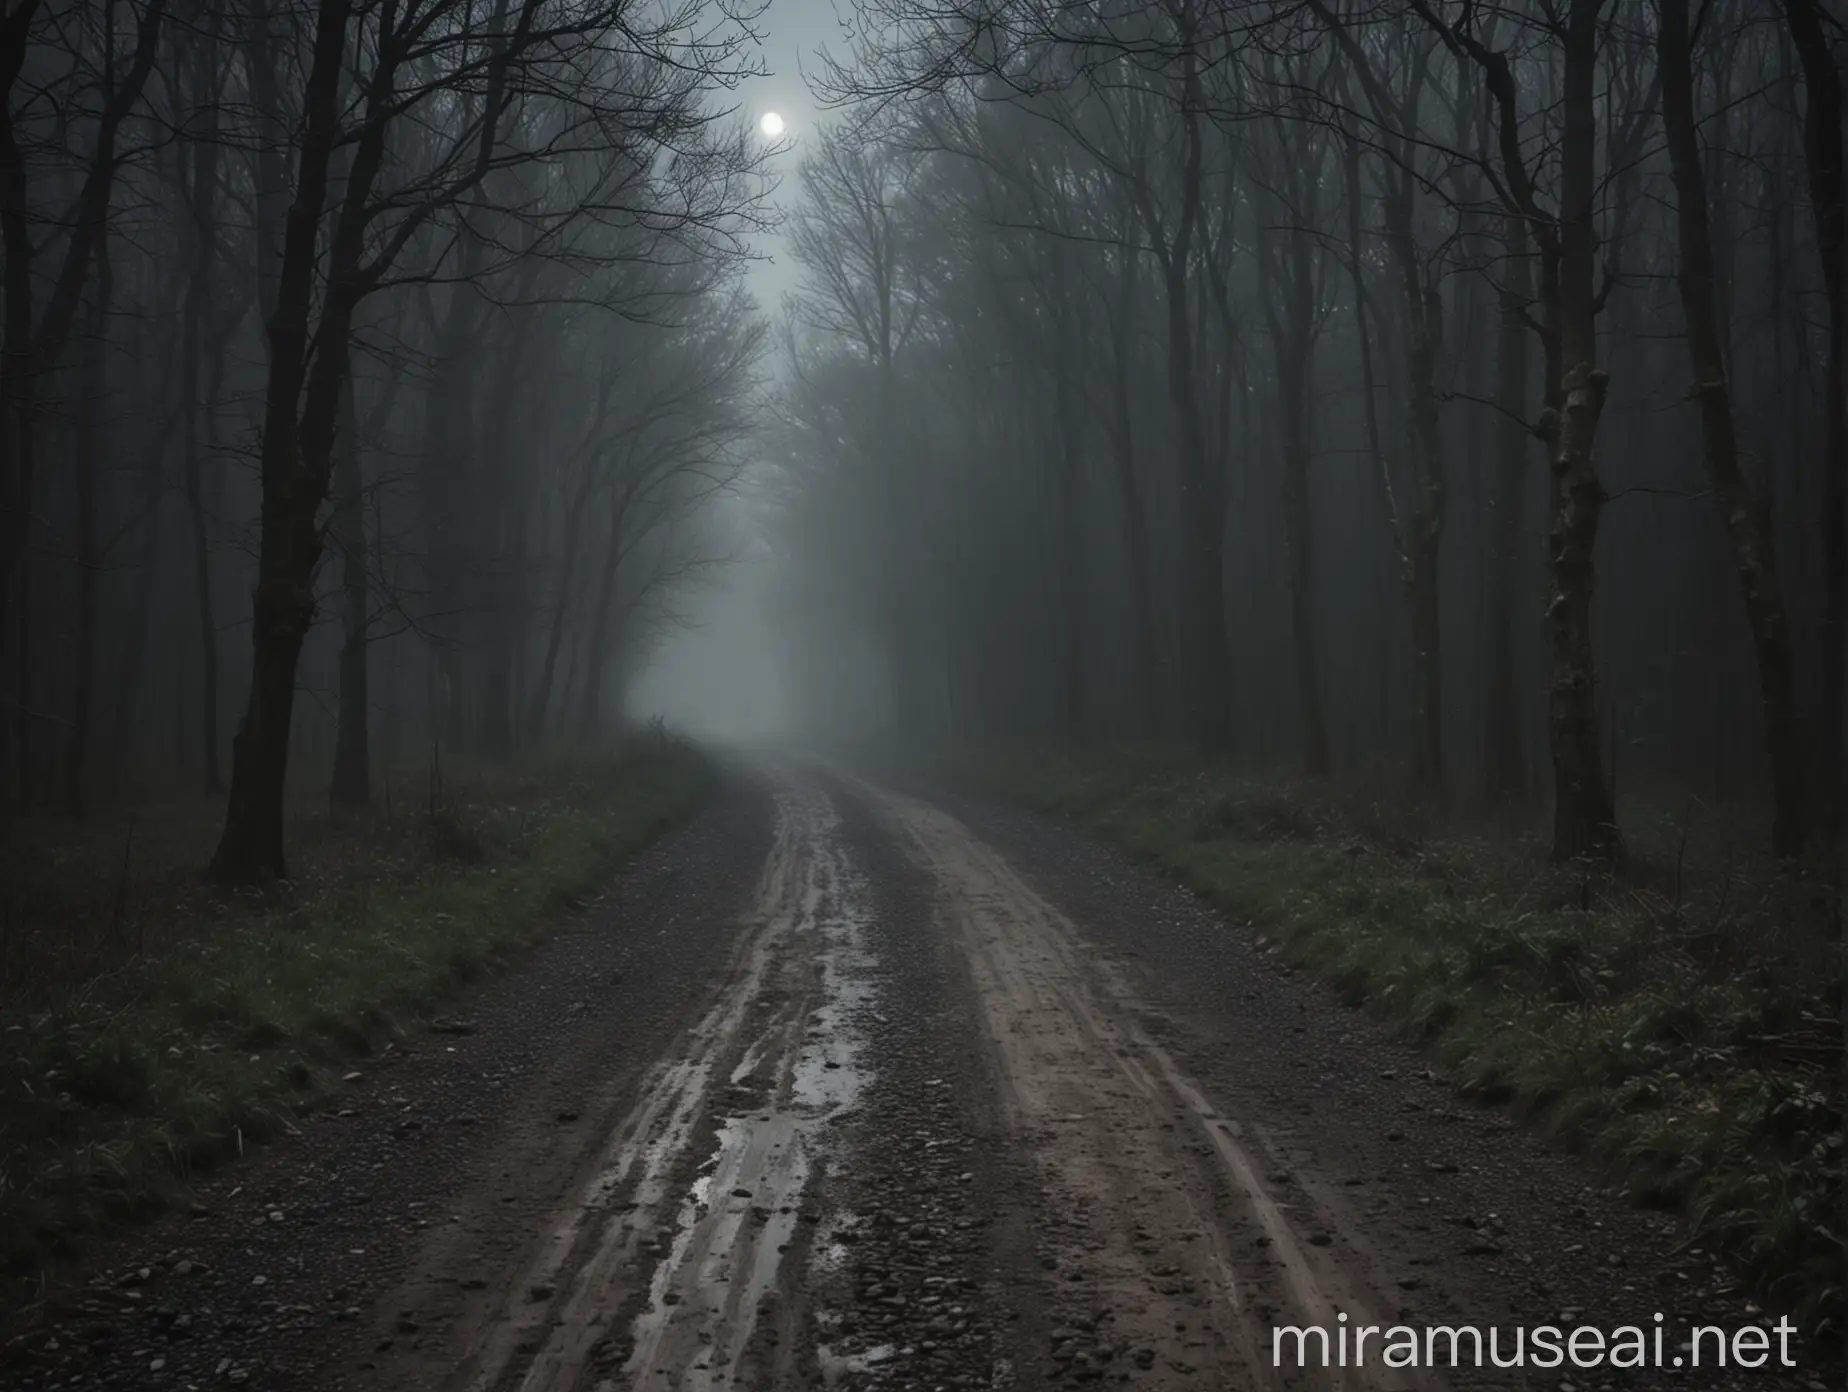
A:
(771, 125)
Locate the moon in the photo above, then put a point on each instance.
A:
(771, 124)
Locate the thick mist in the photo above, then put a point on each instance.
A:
(720, 671)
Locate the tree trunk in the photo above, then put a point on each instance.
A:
(504, 528)
(208, 623)
(1066, 395)
(352, 780)
(1507, 771)
(1292, 330)
(1129, 494)
(134, 647)
(198, 290)
(542, 692)
(251, 847)
(1584, 816)
(91, 413)
(1828, 173)
(446, 481)
(1299, 554)
(1370, 412)
(17, 414)
(1747, 520)
(1428, 660)
(1423, 530)
(270, 198)
(596, 639)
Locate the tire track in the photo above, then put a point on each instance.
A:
(1174, 1258)
(656, 1272)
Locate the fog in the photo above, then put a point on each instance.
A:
(1440, 399)
(719, 674)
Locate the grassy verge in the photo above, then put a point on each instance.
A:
(1679, 1024)
(233, 1010)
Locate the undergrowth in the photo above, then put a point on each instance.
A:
(1679, 1022)
(117, 1082)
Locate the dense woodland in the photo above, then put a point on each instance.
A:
(365, 367)
(1448, 395)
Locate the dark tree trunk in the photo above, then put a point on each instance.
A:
(596, 638)
(91, 412)
(1428, 661)
(1421, 532)
(134, 647)
(1748, 523)
(17, 483)
(1299, 551)
(1509, 601)
(497, 668)
(1129, 494)
(204, 181)
(1369, 387)
(1828, 173)
(1584, 818)
(567, 565)
(504, 529)
(497, 684)
(1417, 532)
(270, 198)
(1292, 329)
(1066, 395)
(251, 847)
(352, 780)
(301, 413)
(1584, 815)
(448, 487)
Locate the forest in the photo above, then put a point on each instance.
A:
(1446, 398)
(367, 370)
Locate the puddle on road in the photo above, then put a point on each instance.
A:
(740, 1213)
(835, 1366)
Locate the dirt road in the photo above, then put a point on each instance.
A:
(848, 1088)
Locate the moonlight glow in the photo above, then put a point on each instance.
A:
(771, 125)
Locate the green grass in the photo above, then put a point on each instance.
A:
(221, 1016)
(1680, 1023)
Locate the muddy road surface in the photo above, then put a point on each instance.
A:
(848, 1087)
